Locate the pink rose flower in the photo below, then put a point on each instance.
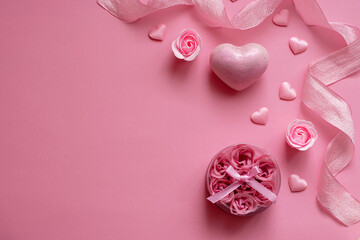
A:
(301, 134)
(187, 46)
(260, 199)
(216, 185)
(220, 165)
(266, 166)
(242, 157)
(243, 204)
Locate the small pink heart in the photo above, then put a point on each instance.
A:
(296, 183)
(261, 116)
(286, 92)
(282, 18)
(239, 67)
(297, 45)
(158, 32)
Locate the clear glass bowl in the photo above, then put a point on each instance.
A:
(244, 201)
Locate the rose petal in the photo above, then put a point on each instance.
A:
(267, 168)
(220, 165)
(242, 157)
(243, 204)
(193, 56)
(176, 51)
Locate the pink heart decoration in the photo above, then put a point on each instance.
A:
(239, 67)
(286, 92)
(261, 116)
(158, 32)
(297, 45)
(282, 18)
(296, 183)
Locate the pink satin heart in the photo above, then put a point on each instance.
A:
(282, 18)
(296, 183)
(158, 32)
(239, 67)
(261, 116)
(286, 92)
(297, 45)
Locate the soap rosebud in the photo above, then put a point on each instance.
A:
(216, 185)
(187, 45)
(242, 157)
(221, 163)
(266, 166)
(243, 204)
(301, 135)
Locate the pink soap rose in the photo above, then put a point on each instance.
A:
(260, 199)
(266, 166)
(301, 134)
(242, 157)
(221, 163)
(187, 45)
(243, 204)
(216, 185)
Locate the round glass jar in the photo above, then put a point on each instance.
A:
(245, 200)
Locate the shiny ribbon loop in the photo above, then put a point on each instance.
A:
(249, 178)
(213, 11)
(319, 97)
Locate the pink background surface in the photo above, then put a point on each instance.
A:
(105, 135)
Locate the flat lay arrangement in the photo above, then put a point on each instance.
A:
(243, 180)
(195, 119)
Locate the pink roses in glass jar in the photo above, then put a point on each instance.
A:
(301, 135)
(241, 199)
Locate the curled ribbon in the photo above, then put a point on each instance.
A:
(316, 93)
(249, 178)
(331, 107)
(213, 11)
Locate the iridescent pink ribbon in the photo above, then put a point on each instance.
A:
(213, 11)
(331, 107)
(249, 178)
(316, 93)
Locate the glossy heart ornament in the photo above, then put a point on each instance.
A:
(282, 18)
(286, 92)
(297, 45)
(239, 67)
(158, 32)
(296, 183)
(261, 116)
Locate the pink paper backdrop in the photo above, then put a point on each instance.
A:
(105, 135)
